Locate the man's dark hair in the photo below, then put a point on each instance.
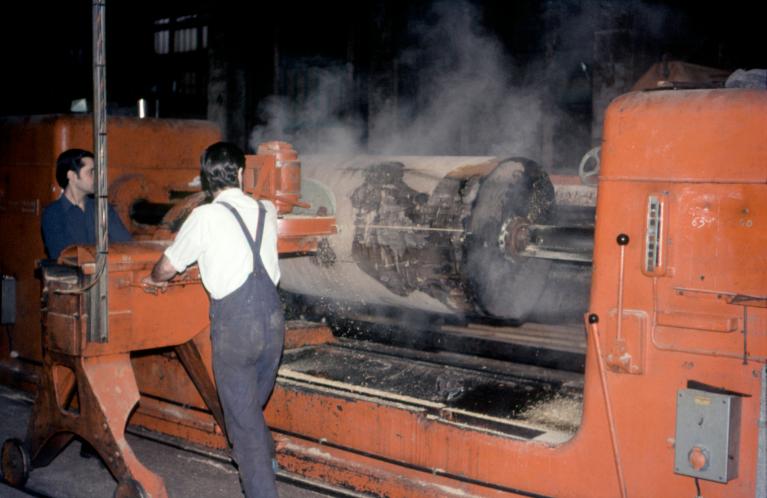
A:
(219, 165)
(70, 160)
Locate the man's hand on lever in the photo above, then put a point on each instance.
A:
(157, 281)
(153, 287)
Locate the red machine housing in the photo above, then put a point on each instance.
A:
(677, 301)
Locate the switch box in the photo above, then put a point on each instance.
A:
(7, 300)
(707, 435)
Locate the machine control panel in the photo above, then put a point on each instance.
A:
(707, 435)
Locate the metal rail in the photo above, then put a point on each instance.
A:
(98, 330)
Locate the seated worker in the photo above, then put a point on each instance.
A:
(71, 219)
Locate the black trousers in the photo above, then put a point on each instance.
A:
(247, 333)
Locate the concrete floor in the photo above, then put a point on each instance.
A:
(186, 474)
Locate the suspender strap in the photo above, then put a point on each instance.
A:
(260, 227)
(255, 246)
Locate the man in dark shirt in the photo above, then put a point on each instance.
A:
(71, 219)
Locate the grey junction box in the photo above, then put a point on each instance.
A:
(7, 300)
(707, 435)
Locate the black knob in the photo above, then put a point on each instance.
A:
(623, 239)
(593, 318)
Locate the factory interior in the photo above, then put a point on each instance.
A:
(522, 246)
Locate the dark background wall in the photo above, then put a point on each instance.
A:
(420, 77)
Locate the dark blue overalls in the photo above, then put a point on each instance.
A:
(247, 333)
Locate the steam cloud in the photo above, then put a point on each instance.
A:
(464, 103)
(463, 94)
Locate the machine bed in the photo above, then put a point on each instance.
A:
(515, 399)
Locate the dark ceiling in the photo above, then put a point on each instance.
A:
(397, 54)
(46, 46)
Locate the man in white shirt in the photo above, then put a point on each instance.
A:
(234, 242)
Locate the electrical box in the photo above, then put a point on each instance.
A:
(7, 300)
(707, 435)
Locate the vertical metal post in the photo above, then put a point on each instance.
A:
(98, 330)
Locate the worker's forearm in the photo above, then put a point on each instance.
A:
(163, 270)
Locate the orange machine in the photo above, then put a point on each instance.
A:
(88, 388)
(674, 386)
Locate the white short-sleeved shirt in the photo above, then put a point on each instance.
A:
(212, 237)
